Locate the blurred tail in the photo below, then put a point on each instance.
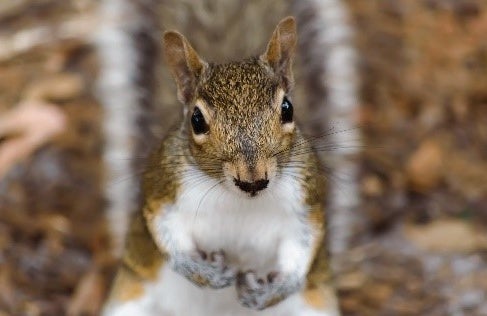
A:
(331, 70)
(127, 42)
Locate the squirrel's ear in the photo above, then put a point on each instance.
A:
(280, 51)
(185, 64)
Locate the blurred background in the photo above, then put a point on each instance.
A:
(416, 240)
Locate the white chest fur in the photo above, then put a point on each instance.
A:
(210, 216)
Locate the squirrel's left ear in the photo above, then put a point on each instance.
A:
(280, 51)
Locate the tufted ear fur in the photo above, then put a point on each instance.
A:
(280, 51)
(185, 65)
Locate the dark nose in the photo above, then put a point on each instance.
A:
(252, 187)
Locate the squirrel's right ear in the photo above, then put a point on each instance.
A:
(280, 51)
(185, 64)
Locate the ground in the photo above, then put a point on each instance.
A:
(420, 244)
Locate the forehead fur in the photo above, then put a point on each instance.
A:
(246, 86)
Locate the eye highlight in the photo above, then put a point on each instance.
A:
(198, 122)
(286, 111)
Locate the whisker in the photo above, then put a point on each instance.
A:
(205, 195)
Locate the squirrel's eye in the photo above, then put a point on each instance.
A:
(286, 111)
(198, 122)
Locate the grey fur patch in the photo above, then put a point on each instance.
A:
(204, 269)
(260, 293)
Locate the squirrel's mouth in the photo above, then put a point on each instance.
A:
(252, 188)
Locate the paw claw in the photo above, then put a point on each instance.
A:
(196, 255)
(217, 257)
(249, 280)
(272, 277)
(202, 255)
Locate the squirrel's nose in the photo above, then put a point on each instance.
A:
(252, 187)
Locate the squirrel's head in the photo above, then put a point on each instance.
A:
(238, 115)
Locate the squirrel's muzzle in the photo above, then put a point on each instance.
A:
(250, 178)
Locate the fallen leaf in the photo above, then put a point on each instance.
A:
(424, 167)
(25, 128)
(446, 236)
(57, 88)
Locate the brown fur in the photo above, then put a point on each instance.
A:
(126, 286)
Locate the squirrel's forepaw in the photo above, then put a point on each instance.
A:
(260, 293)
(205, 269)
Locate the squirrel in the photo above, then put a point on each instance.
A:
(131, 89)
(233, 215)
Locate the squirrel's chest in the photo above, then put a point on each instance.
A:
(247, 229)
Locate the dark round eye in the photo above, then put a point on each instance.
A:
(198, 122)
(286, 111)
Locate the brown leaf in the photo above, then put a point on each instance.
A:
(25, 128)
(446, 236)
(58, 88)
(424, 167)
